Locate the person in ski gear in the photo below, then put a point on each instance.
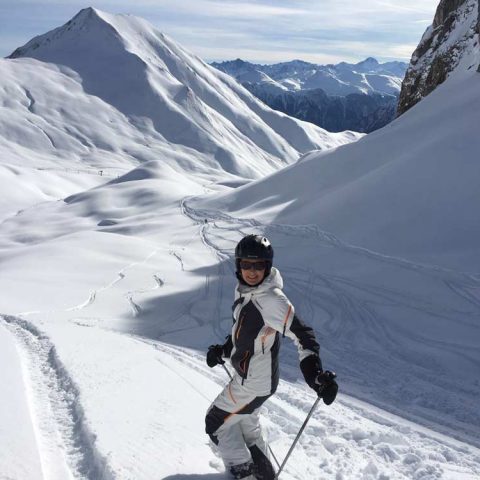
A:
(262, 314)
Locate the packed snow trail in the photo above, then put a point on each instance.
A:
(19, 455)
(66, 446)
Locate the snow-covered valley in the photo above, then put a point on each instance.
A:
(110, 345)
(114, 285)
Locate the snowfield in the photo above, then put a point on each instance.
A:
(165, 390)
(114, 285)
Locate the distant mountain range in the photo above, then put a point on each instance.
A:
(361, 97)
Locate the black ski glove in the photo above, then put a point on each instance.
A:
(322, 382)
(214, 355)
(327, 386)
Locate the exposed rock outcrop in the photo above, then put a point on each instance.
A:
(450, 43)
(358, 112)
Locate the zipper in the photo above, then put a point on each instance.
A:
(243, 365)
(237, 333)
(286, 320)
(243, 362)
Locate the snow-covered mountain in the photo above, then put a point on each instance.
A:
(450, 42)
(367, 76)
(360, 97)
(68, 93)
(111, 295)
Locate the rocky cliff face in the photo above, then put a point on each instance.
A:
(356, 111)
(451, 43)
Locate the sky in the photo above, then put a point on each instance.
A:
(262, 31)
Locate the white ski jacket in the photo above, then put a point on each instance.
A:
(260, 315)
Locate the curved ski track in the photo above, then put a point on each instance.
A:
(346, 302)
(65, 443)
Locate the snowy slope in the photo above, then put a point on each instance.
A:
(111, 295)
(408, 189)
(129, 284)
(389, 227)
(54, 138)
(105, 93)
(162, 434)
(169, 94)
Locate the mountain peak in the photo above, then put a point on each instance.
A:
(86, 15)
(86, 19)
(85, 12)
(368, 61)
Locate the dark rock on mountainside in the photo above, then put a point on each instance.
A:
(452, 39)
(358, 112)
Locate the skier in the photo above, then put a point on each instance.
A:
(261, 315)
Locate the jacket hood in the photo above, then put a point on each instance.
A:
(274, 280)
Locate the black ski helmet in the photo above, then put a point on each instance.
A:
(254, 247)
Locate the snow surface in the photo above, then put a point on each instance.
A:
(409, 189)
(111, 295)
(389, 228)
(167, 99)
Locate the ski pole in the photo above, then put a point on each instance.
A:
(228, 373)
(269, 448)
(298, 436)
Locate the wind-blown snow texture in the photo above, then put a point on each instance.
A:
(111, 295)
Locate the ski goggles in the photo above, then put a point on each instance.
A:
(252, 265)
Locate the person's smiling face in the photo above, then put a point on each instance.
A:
(253, 271)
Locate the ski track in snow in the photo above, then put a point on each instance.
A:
(360, 301)
(218, 254)
(136, 308)
(382, 447)
(328, 239)
(65, 443)
(179, 258)
(49, 137)
(463, 284)
(217, 312)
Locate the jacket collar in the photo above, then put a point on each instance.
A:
(274, 280)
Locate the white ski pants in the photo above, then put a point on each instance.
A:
(233, 423)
